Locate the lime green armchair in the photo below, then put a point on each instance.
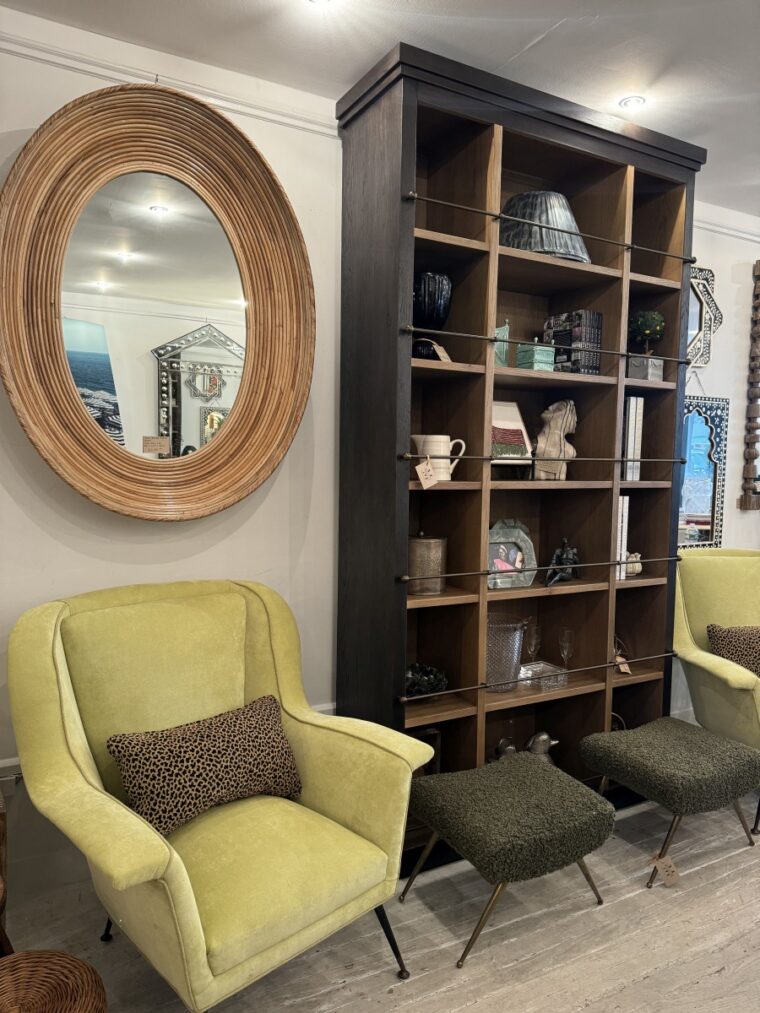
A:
(719, 586)
(245, 886)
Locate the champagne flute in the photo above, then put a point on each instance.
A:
(532, 644)
(532, 639)
(566, 643)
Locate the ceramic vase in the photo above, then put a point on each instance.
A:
(432, 300)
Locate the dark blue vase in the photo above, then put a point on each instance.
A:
(432, 300)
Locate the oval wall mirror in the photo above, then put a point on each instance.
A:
(157, 316)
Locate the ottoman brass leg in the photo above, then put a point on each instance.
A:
(604, 785)
(587, 876)
(481, 922)
(418, 867)
(743, 821)
(664, 849)
(756, 828)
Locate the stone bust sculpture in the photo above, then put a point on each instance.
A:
(559, 419)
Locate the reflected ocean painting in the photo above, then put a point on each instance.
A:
(90, 365)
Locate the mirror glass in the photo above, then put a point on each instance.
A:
(700, 512)
(153, 315)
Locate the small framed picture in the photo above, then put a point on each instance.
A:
(511, 556)
(211, 422)
(510, 443)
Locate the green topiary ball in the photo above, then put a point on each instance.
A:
(646, 327)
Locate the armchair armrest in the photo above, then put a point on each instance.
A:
(734, 676)
(357, 774)
(118, 842)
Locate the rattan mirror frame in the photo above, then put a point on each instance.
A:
(134, 128)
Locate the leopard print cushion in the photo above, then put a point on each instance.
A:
(737, 643)
(172, 776)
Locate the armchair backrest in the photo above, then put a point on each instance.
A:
(718, 586)
(153, 656)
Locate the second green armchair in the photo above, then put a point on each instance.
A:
(719, 586)
(245, 886)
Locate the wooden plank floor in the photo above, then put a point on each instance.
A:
(548, 948)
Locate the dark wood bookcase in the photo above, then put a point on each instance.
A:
(421, 124)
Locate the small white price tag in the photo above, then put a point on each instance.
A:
(622, 665)
(426, 474)
(667, 869)
(441, 352)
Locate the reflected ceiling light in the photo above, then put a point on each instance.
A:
(124, 255)
(319, 3)
(101, 286)
(241, 302)
(159, 210)
(632, 102)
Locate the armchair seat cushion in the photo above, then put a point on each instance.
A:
(264, 868)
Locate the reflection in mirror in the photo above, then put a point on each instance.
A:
(152, 300)
(705, 316)
(700, 513)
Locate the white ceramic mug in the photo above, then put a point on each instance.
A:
(439, 448)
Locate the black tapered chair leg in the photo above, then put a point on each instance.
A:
(107, 937)
(756, 828)
(382, 917)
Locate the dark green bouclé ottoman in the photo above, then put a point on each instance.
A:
(681, 766)
(515, 819)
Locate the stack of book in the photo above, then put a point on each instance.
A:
(576, 336)
(622, 538)
(633, 424)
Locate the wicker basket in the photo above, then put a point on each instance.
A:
(47, 981)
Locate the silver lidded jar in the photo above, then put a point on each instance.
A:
(427, 563)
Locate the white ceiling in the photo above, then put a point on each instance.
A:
(697, 61)
(182, 257)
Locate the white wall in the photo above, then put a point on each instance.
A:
(728, 242)
(56, 543)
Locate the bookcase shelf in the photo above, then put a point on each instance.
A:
(532, 379)
(413, 126)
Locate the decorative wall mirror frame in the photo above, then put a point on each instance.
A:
(700, 511)
(85, 145)
(704, 316)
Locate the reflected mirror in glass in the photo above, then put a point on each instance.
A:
(700, 514)
(153, 315)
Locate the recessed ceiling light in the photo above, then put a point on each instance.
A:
(159, 210)
(101, 285)
(124, 255)
(632, 102)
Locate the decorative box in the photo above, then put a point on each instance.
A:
(535, 356)
(645, 367)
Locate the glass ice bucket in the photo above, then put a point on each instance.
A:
(503, 651)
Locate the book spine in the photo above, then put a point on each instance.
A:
(638, 431)
(622, 545)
